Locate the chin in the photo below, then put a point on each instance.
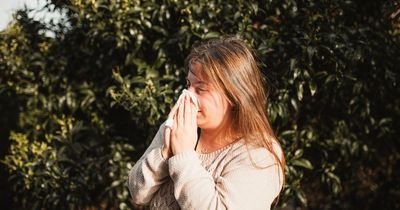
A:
(200, 123)
(204, 125)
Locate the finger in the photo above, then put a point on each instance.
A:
(188, 110)
(167, 136)
(194, 114)
(173, 110)
(176, 119)
(181, 110)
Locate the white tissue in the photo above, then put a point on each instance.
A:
(170, 122)
(191, 95)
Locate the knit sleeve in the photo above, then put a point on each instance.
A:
(149, 172)
(240, 186)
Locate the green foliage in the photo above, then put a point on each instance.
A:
(62, 166)
(83, 95)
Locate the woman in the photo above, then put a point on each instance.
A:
(236, 163)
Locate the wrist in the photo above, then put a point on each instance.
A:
(182, 150)
(165, 154)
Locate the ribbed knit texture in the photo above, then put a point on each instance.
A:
(223, 179)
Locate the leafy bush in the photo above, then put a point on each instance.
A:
(83, 95)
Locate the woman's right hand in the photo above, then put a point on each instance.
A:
(166, 151)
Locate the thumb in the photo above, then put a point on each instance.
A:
(167, 137)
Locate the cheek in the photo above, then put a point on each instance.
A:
(211, 109)
(211, 105)
(200, 102)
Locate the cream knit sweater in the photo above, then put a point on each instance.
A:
(223, 179)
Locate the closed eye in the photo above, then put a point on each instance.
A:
(197, 89)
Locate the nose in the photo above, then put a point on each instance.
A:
(192, 91)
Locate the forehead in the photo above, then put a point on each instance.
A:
(196, 73)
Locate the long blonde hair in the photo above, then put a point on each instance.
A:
(230, 65)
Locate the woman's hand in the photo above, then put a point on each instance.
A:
(166, 151)
(184, 132)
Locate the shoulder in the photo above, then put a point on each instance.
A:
(254, 159)
(258, 165)
(245, 153)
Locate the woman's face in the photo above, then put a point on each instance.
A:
(214, 109)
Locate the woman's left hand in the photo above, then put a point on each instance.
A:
(184, 132)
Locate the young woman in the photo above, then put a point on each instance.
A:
(236, 163)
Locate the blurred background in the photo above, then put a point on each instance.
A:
(84, 86)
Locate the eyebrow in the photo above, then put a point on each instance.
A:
(197, 78)
(199, 82)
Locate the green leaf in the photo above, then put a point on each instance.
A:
(303, 163)
(313, 88)
(211, 34)
(300, 91)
